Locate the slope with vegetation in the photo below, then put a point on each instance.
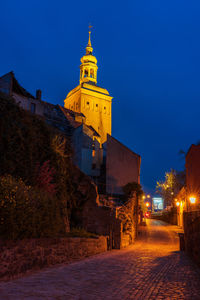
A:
(39, 191)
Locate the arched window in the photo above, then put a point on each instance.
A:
(92, 73)
(86, 73)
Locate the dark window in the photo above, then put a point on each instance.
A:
(33, 108)
(93, 166)
(88, 103)
(96, 105)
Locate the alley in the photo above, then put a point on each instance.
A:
(152, 268)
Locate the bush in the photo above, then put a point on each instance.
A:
(27, 212)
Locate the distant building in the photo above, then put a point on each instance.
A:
(10, 86)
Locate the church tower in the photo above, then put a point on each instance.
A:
(88, 98)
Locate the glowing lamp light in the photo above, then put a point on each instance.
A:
(147, 204)
(143, 197)
(148, 196)
(192, 199)
(177, 203)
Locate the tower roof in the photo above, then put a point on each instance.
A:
(89, 48)
(88, 64)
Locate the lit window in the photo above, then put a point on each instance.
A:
(93, 149)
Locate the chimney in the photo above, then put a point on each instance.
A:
(38, 94)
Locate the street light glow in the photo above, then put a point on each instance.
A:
(192, 199)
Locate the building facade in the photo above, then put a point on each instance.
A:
(91, 100)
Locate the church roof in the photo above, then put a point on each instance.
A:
(89, 85)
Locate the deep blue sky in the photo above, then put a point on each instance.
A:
(148, 56)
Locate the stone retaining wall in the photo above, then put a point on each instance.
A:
(118, 223)
(22, 256)
(168, 216)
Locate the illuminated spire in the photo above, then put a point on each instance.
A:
(88, 67)
(89, 48)
(89, 40)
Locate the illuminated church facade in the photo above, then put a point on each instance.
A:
(91, 100)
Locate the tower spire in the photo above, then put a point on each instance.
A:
(88, 67)
(89, 40)
(89, 48)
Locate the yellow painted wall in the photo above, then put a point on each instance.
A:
(96, 104)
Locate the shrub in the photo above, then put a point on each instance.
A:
(15, 207)
(27, 212)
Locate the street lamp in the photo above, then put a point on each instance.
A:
(192, 199)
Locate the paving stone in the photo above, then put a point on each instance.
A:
(152, 268)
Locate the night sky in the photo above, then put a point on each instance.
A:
(148, 56)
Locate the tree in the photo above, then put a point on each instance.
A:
(132, 187)
(169, 188)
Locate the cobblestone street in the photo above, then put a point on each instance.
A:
(152, 268)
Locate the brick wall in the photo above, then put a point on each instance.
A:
(19, 257)
(192, 234)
